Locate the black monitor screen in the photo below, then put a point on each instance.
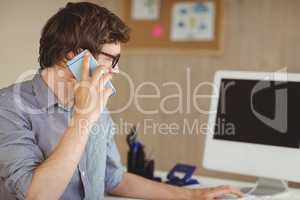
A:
(260, 112)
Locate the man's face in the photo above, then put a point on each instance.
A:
(105, 59)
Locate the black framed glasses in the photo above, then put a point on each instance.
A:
(115, 59)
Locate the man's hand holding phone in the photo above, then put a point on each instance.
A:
(91, 95)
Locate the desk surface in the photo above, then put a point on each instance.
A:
(294, 194)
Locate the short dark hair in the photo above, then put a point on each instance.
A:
(79, 25)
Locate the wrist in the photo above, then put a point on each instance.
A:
(88, 117)
(81, 123)
(189, 193)
(184, 193)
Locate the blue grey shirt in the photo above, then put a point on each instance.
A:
(32, 122)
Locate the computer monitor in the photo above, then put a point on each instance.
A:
(254, 128)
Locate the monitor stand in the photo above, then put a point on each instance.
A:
(267, 187)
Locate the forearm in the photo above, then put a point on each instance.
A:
(53, 175)
(138, 187)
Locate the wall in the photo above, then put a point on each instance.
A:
(259, 35)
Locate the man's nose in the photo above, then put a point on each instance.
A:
(116, 69)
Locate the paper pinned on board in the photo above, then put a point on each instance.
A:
(193, 21)
(145, 9)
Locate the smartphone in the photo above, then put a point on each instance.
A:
(75, 66)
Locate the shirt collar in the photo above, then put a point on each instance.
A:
(44, 95)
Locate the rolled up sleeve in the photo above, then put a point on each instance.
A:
(19, 153)
(114, 169)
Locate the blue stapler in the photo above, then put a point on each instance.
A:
(187, 170)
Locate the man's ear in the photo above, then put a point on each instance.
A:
(70, 55)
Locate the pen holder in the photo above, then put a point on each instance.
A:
(137, 163)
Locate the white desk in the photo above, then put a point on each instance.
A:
(294, 194)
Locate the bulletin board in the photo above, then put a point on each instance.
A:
(156, 34)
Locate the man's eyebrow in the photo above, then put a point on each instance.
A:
(114, 54)
(109, 54)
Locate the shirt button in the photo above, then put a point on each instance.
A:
(83, 174)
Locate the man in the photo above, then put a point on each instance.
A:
(49, 148)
